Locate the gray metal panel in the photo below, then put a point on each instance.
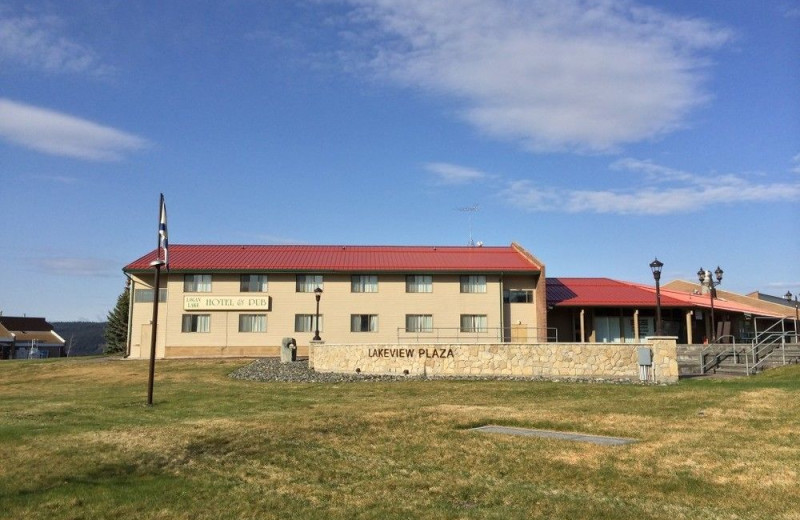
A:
(549, 434)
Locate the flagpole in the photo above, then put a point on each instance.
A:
(157, 263)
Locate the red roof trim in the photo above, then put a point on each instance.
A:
(279, 258)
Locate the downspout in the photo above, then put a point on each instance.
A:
(502, 312)
(131, 285)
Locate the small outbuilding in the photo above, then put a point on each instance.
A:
(23, 338)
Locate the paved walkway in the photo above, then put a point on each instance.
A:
(579, 437)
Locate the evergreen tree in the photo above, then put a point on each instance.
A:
(116, 333)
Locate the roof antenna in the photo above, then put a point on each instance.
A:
(470, 209)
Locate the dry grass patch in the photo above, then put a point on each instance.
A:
(217, 448)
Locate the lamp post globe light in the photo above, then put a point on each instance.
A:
(788, 297)
(706, 279)
(317, 295)
(656, 266)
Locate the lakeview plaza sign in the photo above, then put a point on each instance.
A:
(226, 303)
(426, 353)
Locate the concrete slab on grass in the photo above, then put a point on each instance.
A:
(549, 434)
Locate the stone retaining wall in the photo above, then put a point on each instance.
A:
(614, 361)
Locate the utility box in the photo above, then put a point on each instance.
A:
(288, 350)
(645, 356)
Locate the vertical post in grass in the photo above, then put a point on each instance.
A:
(157, 263)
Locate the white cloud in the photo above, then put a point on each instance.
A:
(783, 285)
(791, 11)
(70, 266)
(453, 174)
(685, 192)
(61, 179)
(585, 75)
(653, 172)
(60, 134)
(38, 43)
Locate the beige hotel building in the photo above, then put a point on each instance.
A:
(242, 300)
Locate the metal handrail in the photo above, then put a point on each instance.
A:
(717, 355)
(769, 340)
(766, 331)
(456, 335)
(764, 339)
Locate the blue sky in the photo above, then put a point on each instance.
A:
(598, 134)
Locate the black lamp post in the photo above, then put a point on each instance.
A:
(788, 297)
(156, 264)
(705, 277)
(656, 266)
(317, 295)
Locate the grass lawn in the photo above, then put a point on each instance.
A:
(77, 441)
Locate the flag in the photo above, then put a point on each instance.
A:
(162, 232)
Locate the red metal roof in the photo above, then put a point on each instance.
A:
(342, 258)
(604, 292)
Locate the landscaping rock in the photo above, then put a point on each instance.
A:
(272, 370)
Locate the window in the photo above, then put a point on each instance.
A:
(361, 283)
(518, 296)
(473, 323)
(305, 323)
(253, 283)
(252, 323)
(146, 295)
(363, 323)
(308, 282)
(195, 322)
(608, 329)
(473, 284)
(419, 283)
(419, 323)
(197, 283)
(646, 328)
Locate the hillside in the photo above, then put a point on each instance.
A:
(84, 338)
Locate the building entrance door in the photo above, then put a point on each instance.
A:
(519, 333)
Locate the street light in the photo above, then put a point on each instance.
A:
(656, 266)
(788, 297)
(317, 295)
(705, 278)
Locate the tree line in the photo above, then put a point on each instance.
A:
(88, 338)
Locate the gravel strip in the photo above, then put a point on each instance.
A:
(271, 369)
